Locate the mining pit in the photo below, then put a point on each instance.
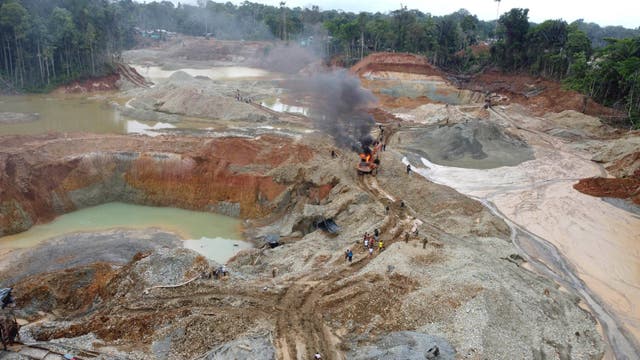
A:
(489, 252)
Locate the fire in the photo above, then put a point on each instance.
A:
(365, 157)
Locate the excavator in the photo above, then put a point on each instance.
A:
(369, 161)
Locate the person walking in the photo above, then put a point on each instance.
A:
(380, 245)
(349, 254)
(408, 169)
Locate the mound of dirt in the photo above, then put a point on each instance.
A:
(474, 144)
(573, 120)
(624, 188)
(170, 266)
(539, 95)
(80, 249)
(396, 63)
(183, 95)
(620, 156)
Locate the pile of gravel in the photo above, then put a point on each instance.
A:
(116, 246)
(475, 144)
(171, 266)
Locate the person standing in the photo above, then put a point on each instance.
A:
(408, 169)
(349, 254)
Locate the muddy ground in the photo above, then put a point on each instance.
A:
(451, 273)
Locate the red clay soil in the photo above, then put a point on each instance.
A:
(94, 84)
(625, 188)
(44, 176)
(71, 291)
(538, 94)
(396, 62)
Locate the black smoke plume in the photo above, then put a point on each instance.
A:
(338, 107)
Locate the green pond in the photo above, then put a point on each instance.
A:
(215, 236)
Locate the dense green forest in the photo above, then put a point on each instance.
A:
(50, 42)
(45, 43)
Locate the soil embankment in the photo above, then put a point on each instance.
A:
(540, 96)
(43, 176)
(106, 83)
(381, 63)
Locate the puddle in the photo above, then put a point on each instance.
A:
(277, 105)
(434, 90)
(137, 127)
(215, 236)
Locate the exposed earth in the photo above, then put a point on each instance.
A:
(489, 252)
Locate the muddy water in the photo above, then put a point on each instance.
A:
(65, 113)
(214, 236)
(435, 90)
(277, 105)
(579, 239)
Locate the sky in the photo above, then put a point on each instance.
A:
(610, 12)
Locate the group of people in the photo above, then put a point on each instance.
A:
(217, 273)
(239, 97)
(371, 241)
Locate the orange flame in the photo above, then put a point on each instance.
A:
(365, 157)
